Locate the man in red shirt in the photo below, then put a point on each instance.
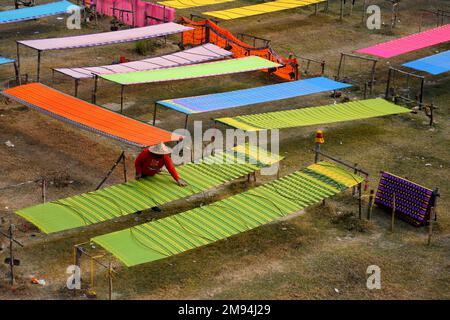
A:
(150, 162)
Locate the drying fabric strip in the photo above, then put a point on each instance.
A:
(198, 54)
(208, 69)
(355, 110)
(137, 195)
(88, 116)
(253, 10)
(36, 12)
(239, 98)
(240, 213)
(105, 38)
(185, 4)
(4, 60)
(435, 64)
(409, 43)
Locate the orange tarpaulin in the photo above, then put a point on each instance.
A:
(88, 116)
(207, 31)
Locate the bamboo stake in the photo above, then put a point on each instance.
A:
(393, 213)
(430, 226)
(11, 254)
(371, 201)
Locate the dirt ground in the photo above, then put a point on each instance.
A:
(322, 253)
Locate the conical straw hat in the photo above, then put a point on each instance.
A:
(160, 149)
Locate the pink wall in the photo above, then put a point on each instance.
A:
(140, 9)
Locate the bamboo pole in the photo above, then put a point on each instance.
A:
(393, 213)
(11, 253)
(430, 226)
(371, 201)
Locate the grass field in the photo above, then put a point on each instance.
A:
(322, 253)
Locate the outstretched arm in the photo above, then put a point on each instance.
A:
(171, 168)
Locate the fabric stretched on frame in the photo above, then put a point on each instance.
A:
(193, 71)
(185, 4)
(225, 218)
(435, 64)
(105, 38)
(194, 55)
(409, 43)
(239, 98)
(36, 12)
(137, 195)
(88, 116)
(355, 110)
(262, 8)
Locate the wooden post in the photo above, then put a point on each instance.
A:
(16, 70)
(11, 254)
(44, 190)
(371, 201)
(94, 93)
(186, 121)
(355, 171)
(342, 10)
(77, 83)
(154, 113)
(388, 85)
(430, 226)
(121, 157)
(422, 87)
(110, 284)
(122, 88)
(393, 213)
(341, 62)
(360, 201)
(124, 159)
(431, 115)
(18, 59)
(38, 66)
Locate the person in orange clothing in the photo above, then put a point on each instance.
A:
(150, 162)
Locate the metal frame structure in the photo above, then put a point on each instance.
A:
(10, 260)
(390, 87)
(357, 190)
(306, 71)
(369, 84)
(439, 14)
(78, 252)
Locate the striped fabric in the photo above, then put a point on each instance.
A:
(362, 109)
(262, 8)
(185, 4)
(207, 52)
(244, 97)
(193, 71)
(87, 116)
(204, 225)
(137, 195)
